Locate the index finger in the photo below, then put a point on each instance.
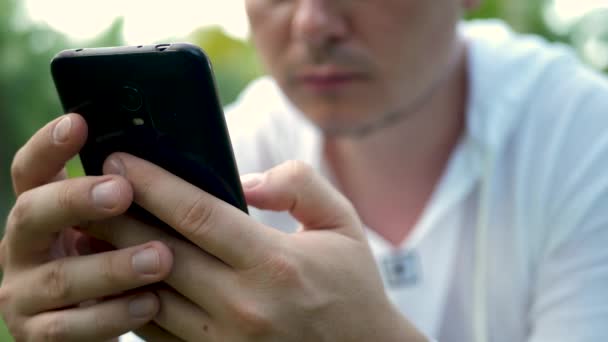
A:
(212, 224)
(44, 155)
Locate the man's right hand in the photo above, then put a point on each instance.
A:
(49, 291)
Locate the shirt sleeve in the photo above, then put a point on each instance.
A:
(570, 298)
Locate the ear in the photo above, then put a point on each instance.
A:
(470, 4)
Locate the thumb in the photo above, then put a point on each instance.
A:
(293, 186)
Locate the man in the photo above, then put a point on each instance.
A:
(473, 158)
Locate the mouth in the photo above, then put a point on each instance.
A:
(325, 79)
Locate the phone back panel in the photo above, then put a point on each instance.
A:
(159, 104)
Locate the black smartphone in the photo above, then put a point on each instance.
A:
(157, 102)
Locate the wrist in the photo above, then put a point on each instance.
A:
(396, 327)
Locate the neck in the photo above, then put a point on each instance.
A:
(390, 174)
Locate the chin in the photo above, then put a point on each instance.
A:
(338, 121)
(324, 114)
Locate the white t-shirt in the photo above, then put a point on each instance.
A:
(513, 245)
(526, 190)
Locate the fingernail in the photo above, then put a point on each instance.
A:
(105, 195)
(251, 180)
(146, 261)
(142, 306)
(114, 167)
(61, 132)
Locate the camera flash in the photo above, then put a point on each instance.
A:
(138, 121)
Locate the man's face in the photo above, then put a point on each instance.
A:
(345, 62)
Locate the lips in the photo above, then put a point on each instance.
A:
(329, 78)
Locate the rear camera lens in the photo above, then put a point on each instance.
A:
(131, 99)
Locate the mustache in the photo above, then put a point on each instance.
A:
(332, 54)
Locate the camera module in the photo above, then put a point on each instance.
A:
(130, 99)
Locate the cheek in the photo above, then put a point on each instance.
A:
(269, 31)
(410, 40)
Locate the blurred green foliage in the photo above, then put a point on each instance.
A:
(28, 99)
(523, 16)
(234, 61)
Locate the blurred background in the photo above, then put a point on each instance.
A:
(33, 31)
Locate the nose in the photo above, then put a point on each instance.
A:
(319, 21)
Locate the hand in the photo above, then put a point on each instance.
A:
(238, 280)
(49, 291)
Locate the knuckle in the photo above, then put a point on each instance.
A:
(56, 283)
(196, 217)
(14, 322)
(17, 329)
(3, 255)
(5, 298)
(18, 170)
(65, 197)
(299, 172)
(54, 330)
(351, 211)
(251, 320)
(18, 215)
(109, 268)
(146, 186)
(282, 270)
(8, 313)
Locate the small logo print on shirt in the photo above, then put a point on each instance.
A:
(402, 269)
